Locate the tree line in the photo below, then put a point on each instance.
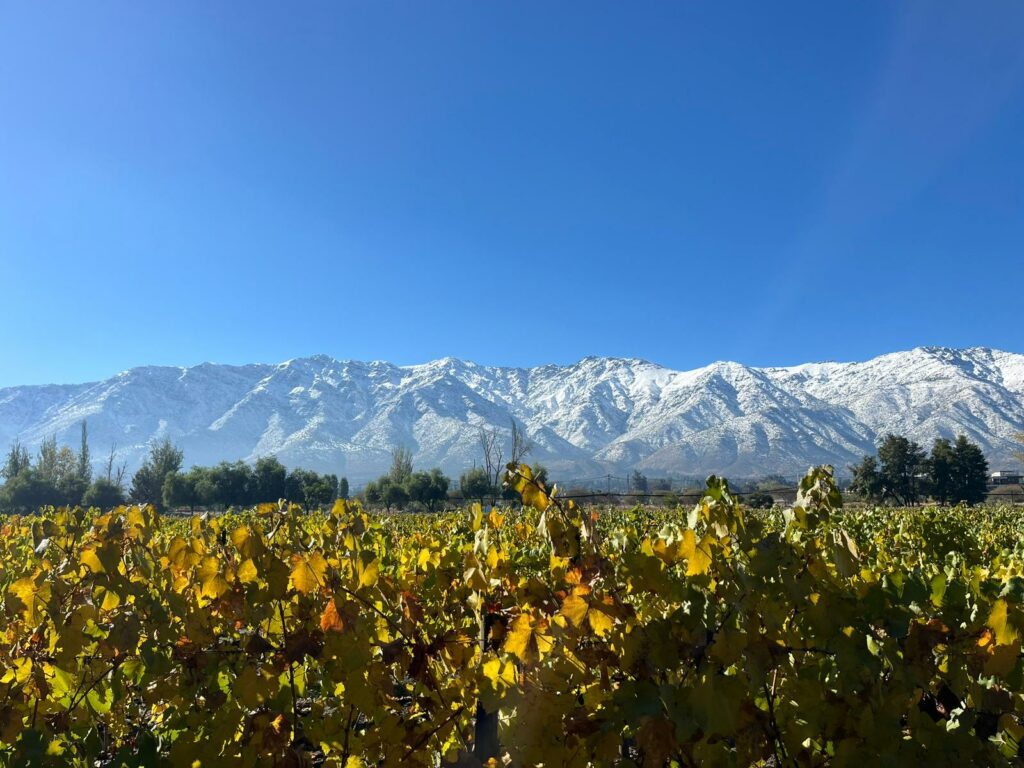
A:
(60, 476)
(232, 483)
(903, 473)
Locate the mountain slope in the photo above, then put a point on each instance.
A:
(597, 415)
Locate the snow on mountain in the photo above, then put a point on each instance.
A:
(597, 415)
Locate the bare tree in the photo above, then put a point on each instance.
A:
(401, 464)
(521, 445)
(115, 476)
(490, 445)
(1019, 454)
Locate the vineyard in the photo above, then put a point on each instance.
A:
(550, 635)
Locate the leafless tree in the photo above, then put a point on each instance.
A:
(115, 476)
(490, 446)
(401, 464)
(521, 445)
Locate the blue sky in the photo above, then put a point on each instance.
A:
(512, 183)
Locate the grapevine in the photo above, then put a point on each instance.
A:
(550, 634)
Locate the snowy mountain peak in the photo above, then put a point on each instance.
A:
(596, 415)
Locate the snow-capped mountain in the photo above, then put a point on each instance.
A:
(598, 415)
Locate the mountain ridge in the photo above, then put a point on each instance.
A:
(596, 415)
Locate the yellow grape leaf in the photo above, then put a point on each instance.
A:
(493, 558)
(698, 555)
(575, 608)
(91, 561)
(582, 606)
(30, 595)
(110, 599)
(211, 578)
(1000, 624)
(496, 520)
(427, 557)
(498, 677)
(600, 618)
(368, 571)
(308, 572)
(499, 672)
(247, 572)
(246, 541)
(528, 638)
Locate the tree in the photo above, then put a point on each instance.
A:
(28, 491)
(46, 462)
(204, 486)
(475, 484)
(427, 488)
(392, 493)
(417, 487)
(371, 492)
(113, 475)
(18, 460)
(521, 446)
(179, 491)
(903, 461)
(867, 482)
(638, 482)
(970, 472)
(1019, 453)
(269, 477)
(941, 468)
(401, 465)
(490, 446)
(343, 488)
(84, 457)
(71, 486)
(760, 500)
(148, 483)
(234, 481)
(321, 492)
(103, 494)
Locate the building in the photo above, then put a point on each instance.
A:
(1004, 477)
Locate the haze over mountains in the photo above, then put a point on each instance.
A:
(597, 415)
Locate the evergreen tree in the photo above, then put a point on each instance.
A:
(103, 494)
(18, 461)
(343, 488)
(371, 493)
(179, 491)
(84, 457)
(394, 494)
(903, 461)
(941, 464)
(638, 482)
(269, 478)
(867, 481)
(148, 483)
(970, 472)
(427, 488)
(475, 484)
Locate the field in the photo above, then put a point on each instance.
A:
(549, 635)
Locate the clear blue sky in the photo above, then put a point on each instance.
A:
(509, 182)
